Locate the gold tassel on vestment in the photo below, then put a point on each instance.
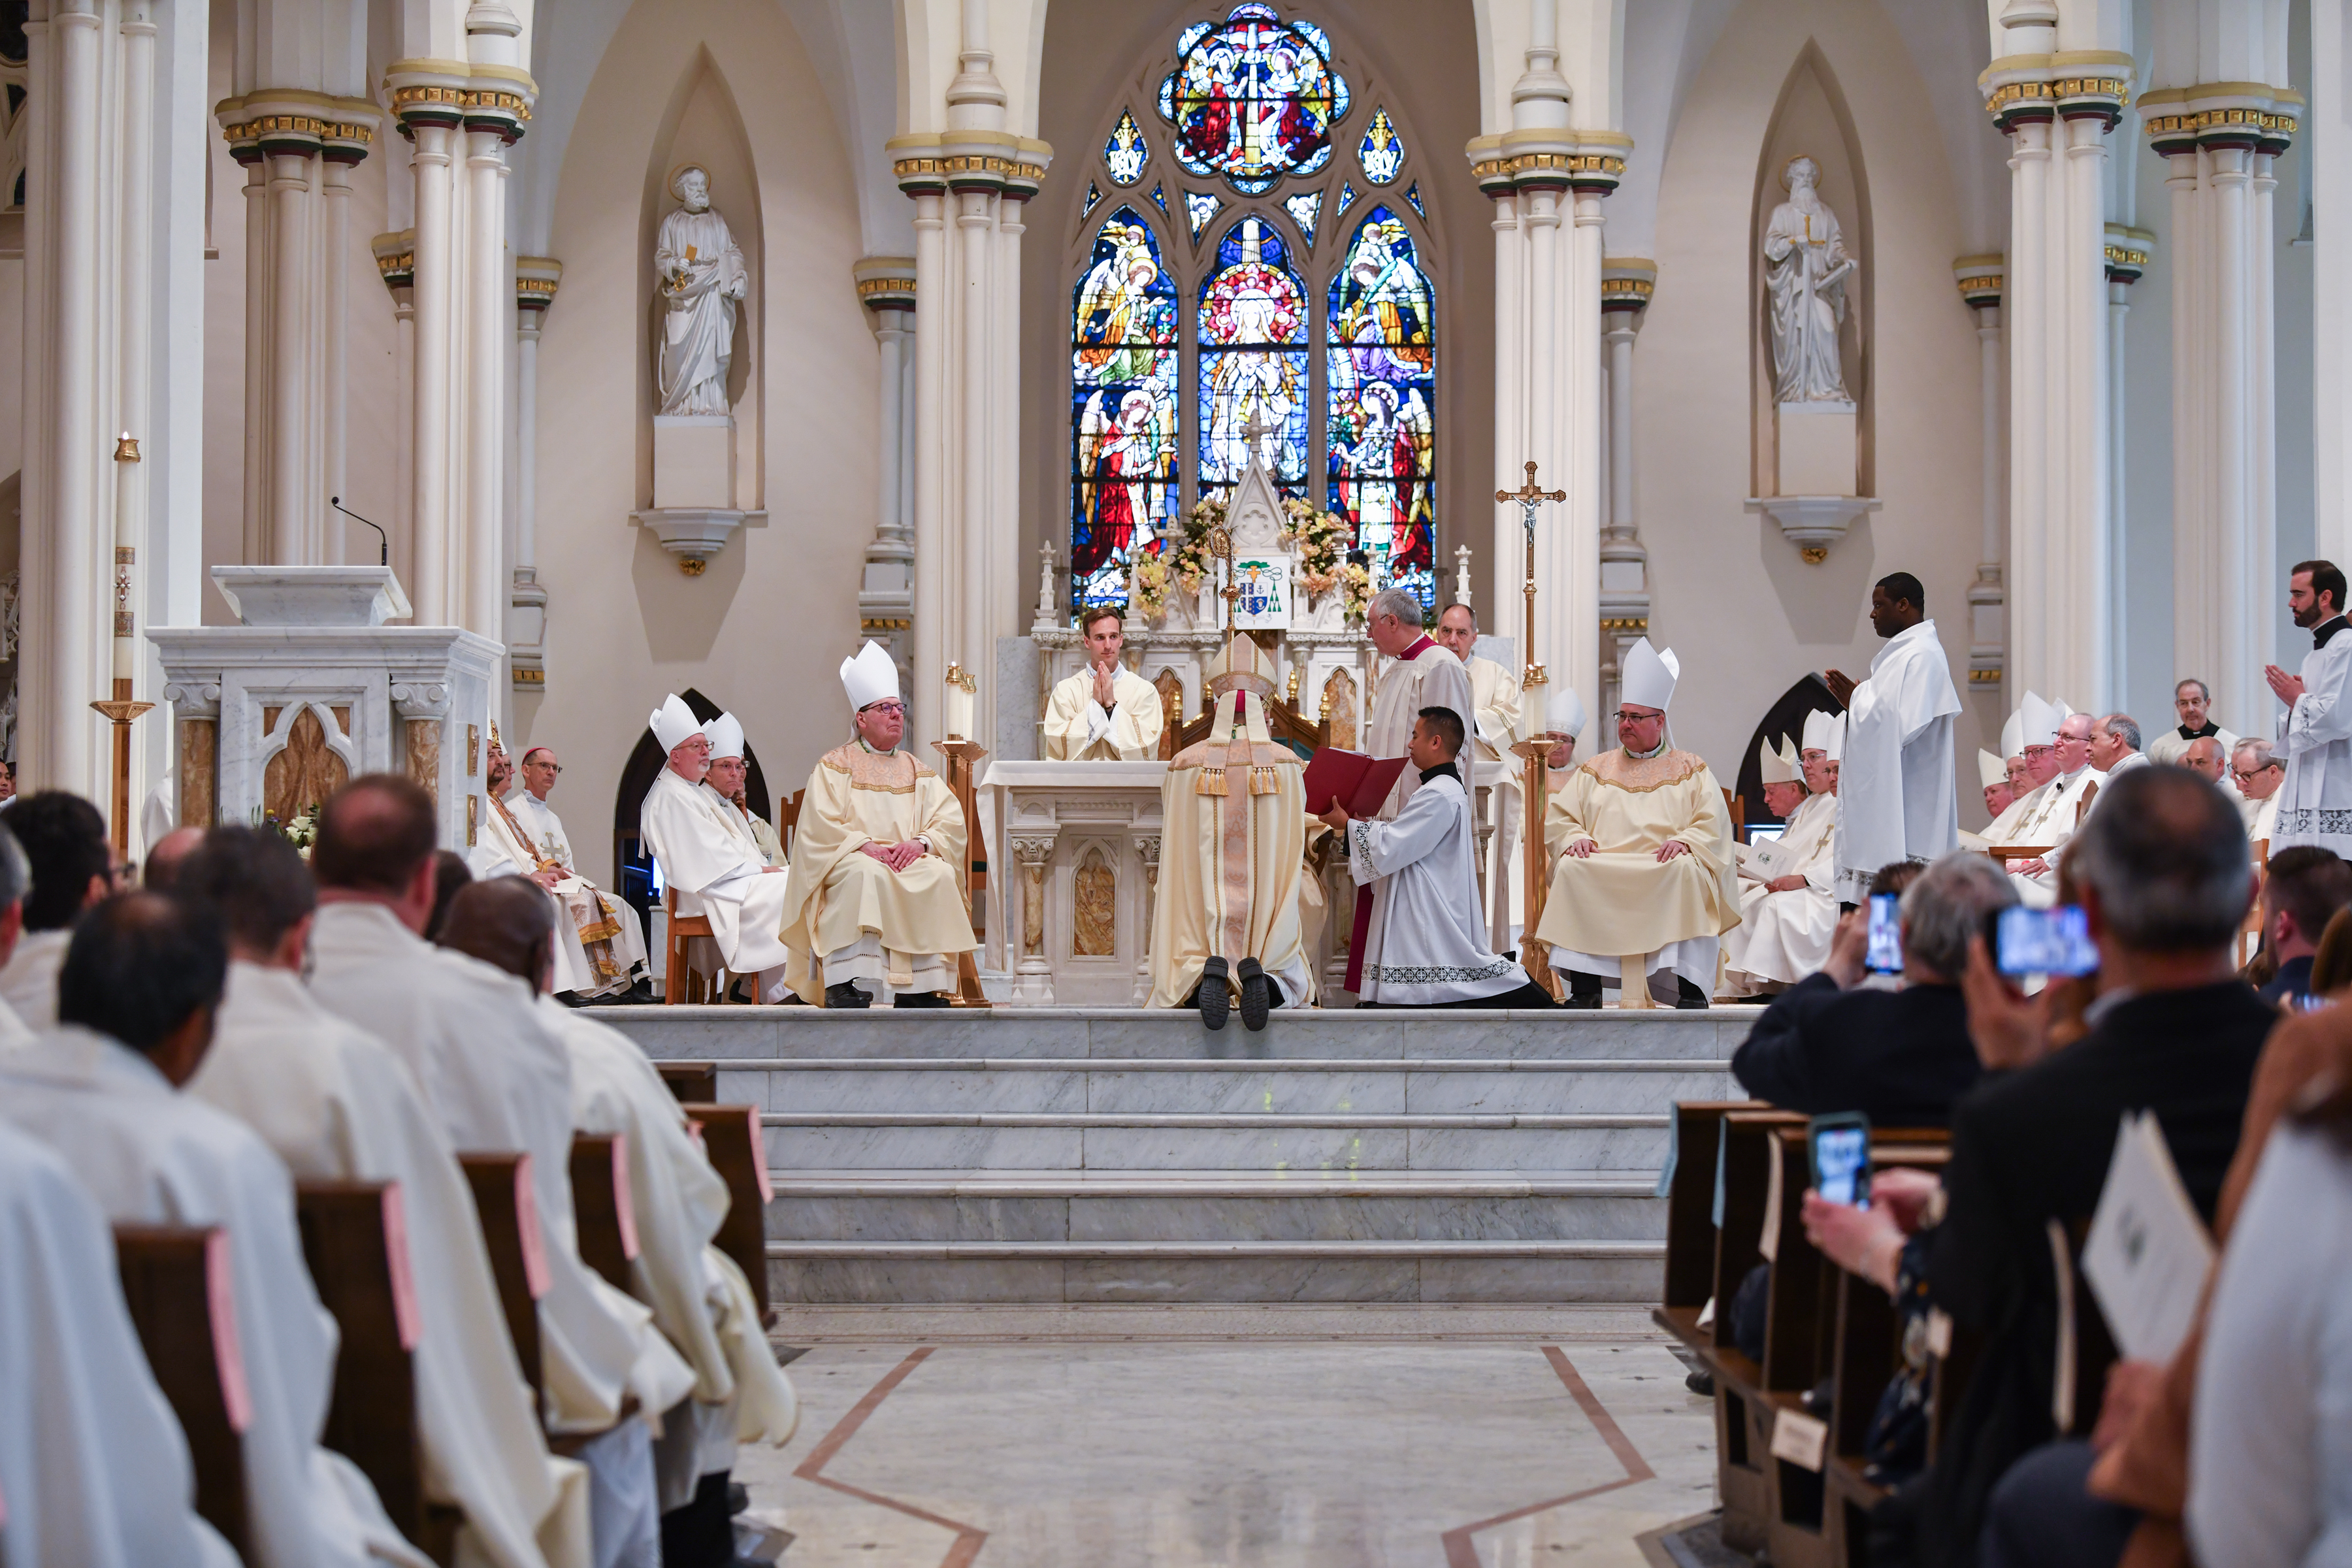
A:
(1262, 781)
(1210, 782)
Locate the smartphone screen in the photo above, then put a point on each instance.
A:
(1886, 953)
(1842, 1162)
(2044, 942)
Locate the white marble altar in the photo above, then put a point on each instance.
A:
(314, 688)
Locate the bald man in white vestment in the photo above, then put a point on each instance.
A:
(64, 838)
(497, 1080)
(592, 951)
(93, 1465)
(606, 928)
(1786, 910)
(336, 1104)
(1897, 788)
(1106, 712)
(877, 888)
(148, 972)
(708, 859)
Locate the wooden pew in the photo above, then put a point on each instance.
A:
(601, 1208)
(174, 1279)
(509, 1213)
(355, 1244)
(732, 1138)
(694, 1083)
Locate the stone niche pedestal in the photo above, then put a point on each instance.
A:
(312, 689)
(694, 512)
(1818, 447)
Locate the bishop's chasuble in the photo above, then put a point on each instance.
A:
(1232, 859)
(841, 897)
(336, 1104)
(593, 955)
(1621, 901)
(1078, 729)
(1783, 937)
(710, 861)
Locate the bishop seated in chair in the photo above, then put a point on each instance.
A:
(876, 896)
(708, 859)
(600, 951)
(1641, 866)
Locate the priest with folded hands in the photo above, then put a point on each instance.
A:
(1642, 867)
(708, 857)
(1225, 919)
(1106, 712)
(877, 895)
(1427, 943)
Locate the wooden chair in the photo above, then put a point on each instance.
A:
(1282, 724)
(170, 1277)
(731, 1139)
(1735, 809)
(690, 1082)
(354, 1248)
(678, 980)
(510, 1219)
(2008, 853)
(601, 1208)
(2250, 935)
(788, 818)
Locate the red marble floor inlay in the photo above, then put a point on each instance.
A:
(968, 1537)
(1461, 1553)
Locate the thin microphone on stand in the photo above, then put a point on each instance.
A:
(383, 545)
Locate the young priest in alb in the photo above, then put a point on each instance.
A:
(1431, 950)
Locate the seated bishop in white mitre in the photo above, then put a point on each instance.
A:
(708, 862)
(600, 950)
(1233, 846)
(1786, 910)
(877, 894)
(1641, 849)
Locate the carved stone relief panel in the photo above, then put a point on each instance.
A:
(305, 772)
(1339, 706)
(1094, 926)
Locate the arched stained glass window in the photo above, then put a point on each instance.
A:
(1254, 325)
(1126, 152)
(1123, 388)
(1383, 387)
(1382, 152)
(1252, 97)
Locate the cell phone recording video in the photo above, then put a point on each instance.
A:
(2054, 942)
(1884, 955)
(1840, 1154)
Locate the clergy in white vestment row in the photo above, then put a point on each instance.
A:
(2315, 733)
(1897, 792)
(136, 1000)
(2257, 772)
(725, 782)
(2193, 704)
(1786, 910)
(1992, 778)
(2057, 808)
(2032, 762)
(73, 868)
(497, 1080)
(1640, 844)
(1432, 949)
(877, 895)
(708, 857)
(1106, 712)
(1225, 917)
(600, 950)
(1494, 724)
(335, 1103)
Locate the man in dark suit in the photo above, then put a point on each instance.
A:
(1902, 1058)
(2166, 881)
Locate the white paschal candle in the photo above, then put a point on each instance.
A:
(959, 706)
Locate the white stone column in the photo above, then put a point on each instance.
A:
(537, 278)
(1510, 410)
(395, 261)
(928, 639)
(1627, 285)
(2127, 252)
(2331, 283)
(433, 290)
(64, 753)
(488, 287)
(1979, 278)
(886, 594)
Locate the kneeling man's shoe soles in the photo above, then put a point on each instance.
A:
(1217, 995)
(1257, 999)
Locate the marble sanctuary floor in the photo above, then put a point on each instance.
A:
(1203, 1436)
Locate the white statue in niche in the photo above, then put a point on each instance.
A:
(1807, 268)
(701, 275)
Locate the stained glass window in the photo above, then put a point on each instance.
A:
(1252, 330)
(1199, 206)
(1303, 211)
(1126, 152)
(1094, 194)
(1412, 194)
(1123, 386)
(1382, 152)
(1253, 98)
(1347, 197)
(1160, 199)
(1381, 435)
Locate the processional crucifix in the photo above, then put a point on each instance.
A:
(1534, 751)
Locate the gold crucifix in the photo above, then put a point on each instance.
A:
(1530, 497)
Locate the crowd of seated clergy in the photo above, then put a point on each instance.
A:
(2234, 1451)
(266, 1023)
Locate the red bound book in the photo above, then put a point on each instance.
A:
(1357, 782)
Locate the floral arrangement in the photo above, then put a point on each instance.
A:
(302, 833)
(1321, 539)
(1356, 590)
(1186, 565)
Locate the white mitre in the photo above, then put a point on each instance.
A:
(1821, 732)
(2013, 733)
(1779, 766)
(1990, 769)
(1649, 676)
(1837, 738)
(2041, 722)
(726, 734)
(872, 676)
(1563, 710)
(673, 724)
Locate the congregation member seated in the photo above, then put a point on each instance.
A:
(1787, 917)
(64, 838)
(2257, 771)
(2204, 757)
(161, 871)
(449, 874)
(2191, 704)
(1106, 712)
(708, 862)
(699, 1299)
(2114, 747)
(333, 1102)
(2164, 882)
(2304, 888)
(1903, 1058)
(137, 993)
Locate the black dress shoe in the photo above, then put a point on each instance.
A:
(1584, 990)
(920, 999)
(847, 995)
(1690, 998)
(1701, 1383)
(1257, 995)
(1215, 996)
